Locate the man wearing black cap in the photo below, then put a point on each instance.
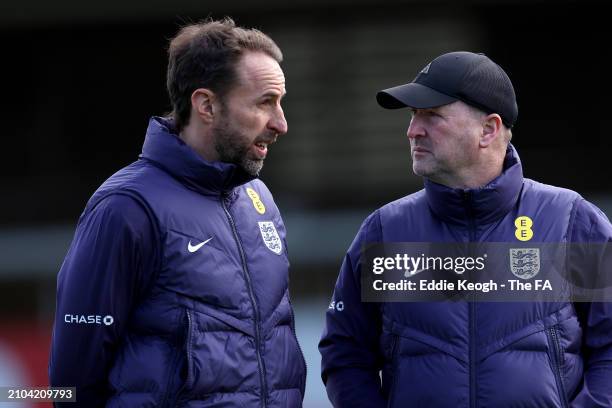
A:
(467, 353)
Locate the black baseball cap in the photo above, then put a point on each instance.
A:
(465, 76)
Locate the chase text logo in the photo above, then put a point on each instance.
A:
(88, 319)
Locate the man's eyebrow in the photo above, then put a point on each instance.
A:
(273, 94)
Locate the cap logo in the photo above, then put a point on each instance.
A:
(426, 69)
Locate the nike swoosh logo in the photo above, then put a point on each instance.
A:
(193, 248)
(408, 273)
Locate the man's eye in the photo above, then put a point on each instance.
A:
(424, 113)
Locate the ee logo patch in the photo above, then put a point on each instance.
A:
(259, 206)
(523, 226)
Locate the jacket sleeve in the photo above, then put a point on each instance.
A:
(591, 225)
(109, 265)
(349, 347)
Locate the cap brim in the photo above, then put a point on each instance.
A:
(412, 95)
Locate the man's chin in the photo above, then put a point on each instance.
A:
(252, 167)
(421, 171)
(417, 170)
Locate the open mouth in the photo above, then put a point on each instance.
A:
(261, 149)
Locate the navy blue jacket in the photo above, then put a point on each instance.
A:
(470, 354)
(174, 291)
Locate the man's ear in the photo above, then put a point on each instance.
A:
(491, 129)
(202, 104)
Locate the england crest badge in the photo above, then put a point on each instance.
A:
(270, 236)
(525, 262)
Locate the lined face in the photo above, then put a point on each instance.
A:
(444, 141)
(251, 118)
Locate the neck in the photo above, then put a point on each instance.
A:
(200, 140)
(491, 202)
(475, 176)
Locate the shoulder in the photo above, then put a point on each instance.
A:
(409, 202)
(403, 209)
(390, 214)
(130, 180)
(536, 190)
(120, 204)
(133, 174)
(590, 224)
(558, 204)
(120, 211)
(587, 222)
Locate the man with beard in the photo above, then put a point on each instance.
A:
(174, 291)
(452, 352)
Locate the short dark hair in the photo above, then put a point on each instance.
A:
(204, 55)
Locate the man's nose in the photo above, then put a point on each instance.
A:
(415, 129)
(278, 123)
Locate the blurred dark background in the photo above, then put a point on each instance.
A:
(80, 81)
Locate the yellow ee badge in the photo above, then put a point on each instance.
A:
(523, 228)
(259, 206)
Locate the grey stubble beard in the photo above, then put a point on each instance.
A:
(231, 147)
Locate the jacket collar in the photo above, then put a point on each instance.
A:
(485, 204)
(166, 150)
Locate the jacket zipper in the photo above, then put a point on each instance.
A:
(472, 306)
(247, 278)
(556, 358)
(188, 384)
(472, 318)
(292, 325)
(189, 378)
